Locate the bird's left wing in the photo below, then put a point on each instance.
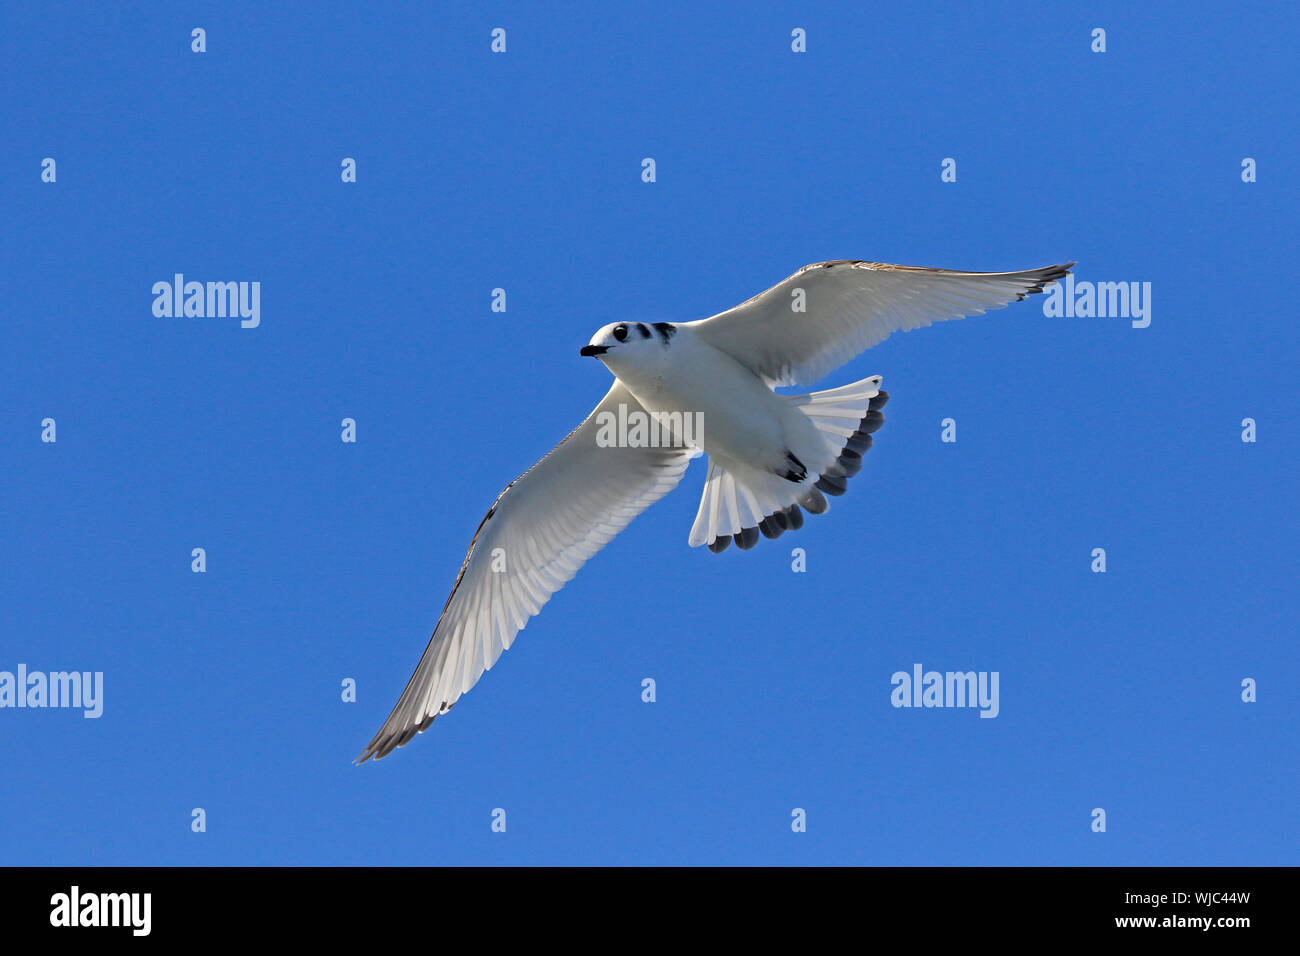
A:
(535, 537)
(829, 312)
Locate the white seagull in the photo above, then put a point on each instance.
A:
(770, 455)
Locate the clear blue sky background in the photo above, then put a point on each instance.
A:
(328, 560)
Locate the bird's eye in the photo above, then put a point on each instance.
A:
(620, 332)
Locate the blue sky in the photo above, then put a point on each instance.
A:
(522, 171)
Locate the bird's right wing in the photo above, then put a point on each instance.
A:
(535, 537)
(827, 313)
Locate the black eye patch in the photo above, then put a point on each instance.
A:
(645, 333)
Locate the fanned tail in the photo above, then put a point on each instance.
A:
(741, 503)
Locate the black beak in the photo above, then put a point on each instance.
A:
(590, 350)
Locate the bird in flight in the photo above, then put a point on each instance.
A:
(771, 456)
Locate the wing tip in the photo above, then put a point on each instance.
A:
(386, 741)
(1044, 277)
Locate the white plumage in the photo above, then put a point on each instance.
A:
(770, 456)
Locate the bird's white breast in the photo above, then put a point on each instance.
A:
(741, 417)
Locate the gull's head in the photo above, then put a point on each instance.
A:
(631, 343)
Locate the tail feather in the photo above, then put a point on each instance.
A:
(739, 503)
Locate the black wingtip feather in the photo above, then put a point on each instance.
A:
(814, 502)
(1046, 277)
(831, 485)
(871, 422)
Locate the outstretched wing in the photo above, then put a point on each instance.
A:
(849, 306)
(535, 537)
